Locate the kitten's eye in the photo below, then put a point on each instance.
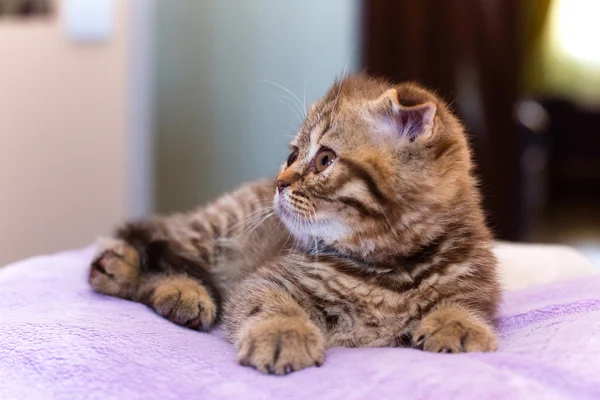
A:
(292, 157)
(324, 159)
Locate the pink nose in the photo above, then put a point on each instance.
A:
(282, 185)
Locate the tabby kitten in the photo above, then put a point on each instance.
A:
(378, 240)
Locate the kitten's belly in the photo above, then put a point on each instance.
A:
(369, 328)
(361, 315)
(359, 335)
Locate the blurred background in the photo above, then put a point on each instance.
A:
(115, 109)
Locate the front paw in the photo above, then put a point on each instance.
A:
(184, 301)
(115, 268)
(280, 345)
(454, 330)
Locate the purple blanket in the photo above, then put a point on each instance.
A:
(59, 340)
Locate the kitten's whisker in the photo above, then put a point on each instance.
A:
(296, 246)
(260, 223)
(316, 245)
(341, 84)
(292, 127)
(291, 103)
(297, 228)
(250, 218)
(304, 96)
(291, 108)
(289, 235)
(284, 89)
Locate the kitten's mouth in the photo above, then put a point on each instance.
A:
(293, 206)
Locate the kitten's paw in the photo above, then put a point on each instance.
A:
(280, 345)
(115, 268)
(454, 330)
(184, 301)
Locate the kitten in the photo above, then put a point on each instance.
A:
(388, 243)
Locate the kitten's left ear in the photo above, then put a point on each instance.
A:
(409, 122)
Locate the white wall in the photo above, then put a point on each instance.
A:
(218, 124)
(75, 130)
(63, 135)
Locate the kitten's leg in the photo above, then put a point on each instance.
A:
(176, 264)
(120, 270)
(453, 328)
(270, 329)
(180, 299)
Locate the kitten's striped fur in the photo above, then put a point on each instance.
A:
(378, 240)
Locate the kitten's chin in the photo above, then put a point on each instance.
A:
(292, 219)
(305, 229)
(285, 213)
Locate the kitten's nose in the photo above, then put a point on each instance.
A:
(281, 184)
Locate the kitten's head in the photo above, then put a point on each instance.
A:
(374, 166)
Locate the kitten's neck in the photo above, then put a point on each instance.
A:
(379, 259)
(377, 256)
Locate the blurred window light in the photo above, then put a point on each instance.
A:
(576, 27)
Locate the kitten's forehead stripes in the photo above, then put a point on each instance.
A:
(317, 132)
(323, 132)
(305, 134)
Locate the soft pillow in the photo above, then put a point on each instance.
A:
(525, 265)
(59, 340)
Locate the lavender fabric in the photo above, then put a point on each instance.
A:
(59, 340)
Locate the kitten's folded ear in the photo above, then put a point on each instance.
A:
(403, 121)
